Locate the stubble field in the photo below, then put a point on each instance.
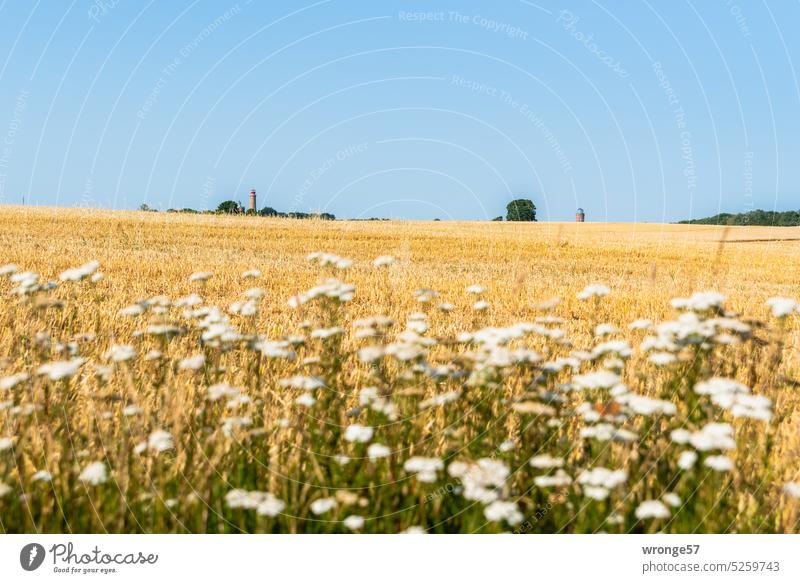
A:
(477, 377)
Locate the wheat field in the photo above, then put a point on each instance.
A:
(200, 373)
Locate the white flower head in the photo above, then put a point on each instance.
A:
(594, 291)
(782, 307)
(95, 474)
(652, 509)
(323, 505)
(425, 468)
(79, 273)
(160, 441)
(500, 510)
(378, 450)
(200, 276)
(720, 463)
(121, 352)
(358, 433)
(354, 522)
(60, 370)
(383, 261)
(687, 459)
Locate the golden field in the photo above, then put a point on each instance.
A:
(249, 456)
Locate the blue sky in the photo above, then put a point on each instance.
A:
(637, 111)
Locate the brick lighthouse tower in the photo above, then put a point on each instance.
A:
(580, 216)
(252, 207)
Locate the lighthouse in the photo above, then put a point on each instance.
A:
(252, 207)
(580, 216)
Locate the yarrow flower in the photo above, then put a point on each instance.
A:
(79, 273)
(160, 441)
(378, 450)
(95, 474)
(546, 461)
(323, 505)
(700, 302)
(358, 433)
(264, 503)
(354, 522)
(11, 381)
(60, 370)
(595, 290)
(652, 509)
(121, 352)
(500, 510)
(425, 468)
(383, 261)
(720, 463)
(200, 276)
(782, 307)
(596, 380)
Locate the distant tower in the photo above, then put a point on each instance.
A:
(253, 200)
(580, 216)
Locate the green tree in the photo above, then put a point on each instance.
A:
(521, 209)
(268, 211)
(228, 206)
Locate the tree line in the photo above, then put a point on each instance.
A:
(757, 217)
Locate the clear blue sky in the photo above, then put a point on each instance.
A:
(636, 111)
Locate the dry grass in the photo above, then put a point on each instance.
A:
(288, 450)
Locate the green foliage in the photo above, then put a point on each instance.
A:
(521, 209)
(228, 206)
(757, 217)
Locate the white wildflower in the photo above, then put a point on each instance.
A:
(11, 381)
(687, 459)
(720, 463)
(425, 468)
(323, 505)
(546, 461)
(358, 433)
(700, 302)
(302, 382)
(593, 291)
(383, 261)
(792, 489)
(641, 324)
(378, 450)
(596, 380)
(42, 476)
(499, 510)
(652, 509)
(160, 441)
(604, 329)
(60, 370)
(79, 273)
(306, 400)
(354, 522)
(782, 307)
(558, 480)
(95, 473)
(200, 276)
(121, 352)
(195, 362)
